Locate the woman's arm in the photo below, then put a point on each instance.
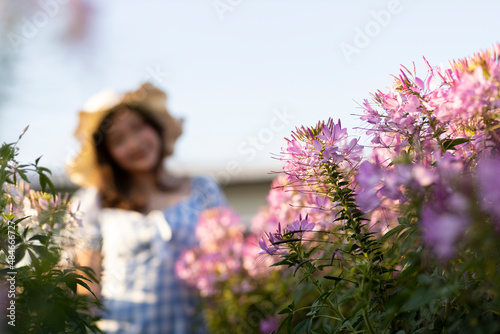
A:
(85, 203)
(90, 258)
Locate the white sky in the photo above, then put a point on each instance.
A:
(229, 75)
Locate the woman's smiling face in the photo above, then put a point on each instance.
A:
(133, 144)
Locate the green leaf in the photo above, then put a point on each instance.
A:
(89, 272)
(396, 230)
(45, 181)
(449, 144)
(25, 233)
(23, 175)
(42, 238)
(303, 327)
(70, 281)
(19, 253)
(34, 258)
(288, 309)
(20, 220)
(299, 265)
(42, 251)
(354, 247)
(283, 262)
(44, 170)
(327, 328)
(286, 322)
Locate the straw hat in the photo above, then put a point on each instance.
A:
(82, 169)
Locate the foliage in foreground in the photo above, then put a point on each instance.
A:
(38, 278)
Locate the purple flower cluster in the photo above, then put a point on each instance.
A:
(294, 231)
(427, 136)
(224, 254)
(310, 148)
(298, 227)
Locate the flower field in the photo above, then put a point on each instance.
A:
(399, 236)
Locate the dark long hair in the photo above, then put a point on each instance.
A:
(115, 186)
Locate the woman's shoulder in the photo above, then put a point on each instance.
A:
(208, 187)
(205, 181)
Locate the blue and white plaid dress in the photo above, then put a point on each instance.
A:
(139, 287)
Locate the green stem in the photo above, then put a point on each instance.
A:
(334, 309)
(447, 309)
(357, 230)
(326, 316)
(305, 308)
(345, 206)
(318, 287)
(367, 321)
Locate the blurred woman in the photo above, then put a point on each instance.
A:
(137, 216)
